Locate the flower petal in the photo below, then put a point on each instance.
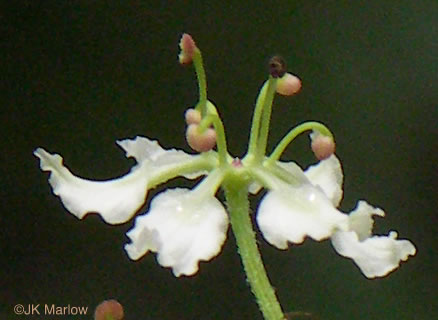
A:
(291, 214)
(115, 200)
(182, 228)
(118, 200)
(361, 221)
(159, 159)
(327, 174)
(376, 256)
(273, 173)
(294, 170)
(141, 149)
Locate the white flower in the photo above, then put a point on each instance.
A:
(292, 211)
(117, 200)
(183, 227)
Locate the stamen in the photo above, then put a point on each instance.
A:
(322, 146)
(200, 142)
(277, 67)
(292, 134)
(192, 116)
(288, 85)
(188, 46)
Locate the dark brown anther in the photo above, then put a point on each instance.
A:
(277, 67)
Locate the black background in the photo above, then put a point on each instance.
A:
(77, 76)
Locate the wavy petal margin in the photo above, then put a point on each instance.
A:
(182, 228)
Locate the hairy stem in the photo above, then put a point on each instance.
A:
(238, 205)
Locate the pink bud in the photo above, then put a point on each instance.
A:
(200, 142)
(288, 85)
(322, 146)
(188, 46)
(192, 116)
(109, 308)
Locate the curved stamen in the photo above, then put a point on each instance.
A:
(266, 118)
(292, 134)
(202, 82)
(220, 133)
(261, 119)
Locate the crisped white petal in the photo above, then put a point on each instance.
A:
(159, 160)
(115, 200)
(182, 228)
(291, 214)
(361, 219)
(272, 174)
(294, 170)
(376, 256)
(141, 149)
(327, 174)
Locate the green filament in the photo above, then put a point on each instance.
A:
(202, 81)
(220, 134)
(292, 134)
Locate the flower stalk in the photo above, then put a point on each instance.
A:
(238, 207)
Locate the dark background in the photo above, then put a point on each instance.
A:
(76, 76)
